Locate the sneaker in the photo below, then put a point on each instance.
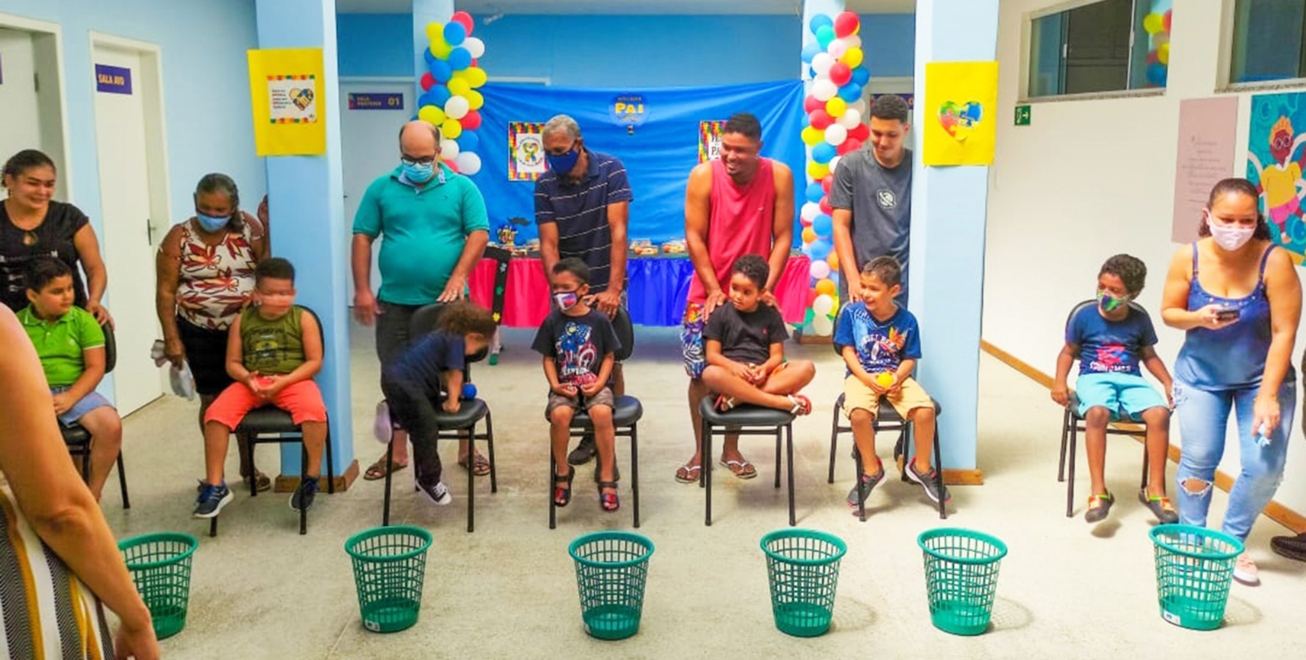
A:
(1161, 507)
(927, 482)
(583, 452)
(1292, 547)
(867, 483)
(211, 500)
(1245, 571)
(437, 493)
(302, 499)
(381, 426)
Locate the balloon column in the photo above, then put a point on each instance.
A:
(835, 110)
(1158, 58)
(449, 99)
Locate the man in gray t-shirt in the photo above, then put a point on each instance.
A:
(871, 197)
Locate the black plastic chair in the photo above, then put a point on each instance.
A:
(272, 425)
(1072, 424)
(888, 420)
(744, 420)
(78, 439)
(626, 413)
(459, 425)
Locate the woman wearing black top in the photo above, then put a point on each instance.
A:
(33, 225)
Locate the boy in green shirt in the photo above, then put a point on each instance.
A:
(70, 343)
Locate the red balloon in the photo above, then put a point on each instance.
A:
(861, 132)
(428, 81)
(846, 23)
(475, 62)
(811, 296)
(805, 221)
(450, 164)
(1153, 57)
(827, 183)
(465, 19)
(812, 103)
(820, 119)
(471, 121)
(825, 205)
(1165, 20)
(840, 74)
(850, 145)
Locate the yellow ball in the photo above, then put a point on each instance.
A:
(835, 107)
(431, 115)
(451, 129)
(475, 99)
(1163, 53)
(853, 57)
(441, 49)
(884, 379)
(817, 170)
(812, 136)
(833, 260)
(826, 287)
(459, 87)
(435, 32)
(809, 235)
(476, 76)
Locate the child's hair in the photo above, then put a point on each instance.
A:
(754, 268)
(575, 266)
(43, 270)
(464, 318)
(275, 268)
(886, 268)
(1131, 270)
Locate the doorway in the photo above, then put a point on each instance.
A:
(31, 94)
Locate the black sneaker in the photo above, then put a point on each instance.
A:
(1292, 547)
(211, 500)
(302, 499)
(926, 481)
(583, 452)
(862, 490)
(437, 493)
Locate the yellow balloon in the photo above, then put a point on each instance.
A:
(475, 100)
(1153, 23)
(835, 107)
(812, 137)
(451, 129)
(853, 57)
(441, 49)
(431, 115)
(435, 32)
(809, 235)
(1163, 53)
(817, 170)
(476, 76)
(459, 87)
(833, 260)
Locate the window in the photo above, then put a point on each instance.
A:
(1101, 46)
(1268, 40)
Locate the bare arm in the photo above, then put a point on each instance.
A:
(92, 373)
(843, 249)
(605, 374)
(167, 269)
(713, 356)
(1065, 360)
(618, 220)
(697, 211)
(360, 262)
(473, 249)
(312, 339)
(52, 496)
(1156, 367)
(555, 385)
(782, 224)
(1174, 298)
(97, 276)
(1283, 289)
(549, 249)
(453, 382)
(236, 355)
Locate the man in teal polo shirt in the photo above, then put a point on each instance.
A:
(433, 228)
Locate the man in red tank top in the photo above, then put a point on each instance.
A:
(740, 204)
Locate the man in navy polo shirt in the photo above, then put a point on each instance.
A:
(582, 204)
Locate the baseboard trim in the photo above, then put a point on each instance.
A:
(963, 477)
(288, 483)
(1274, 511)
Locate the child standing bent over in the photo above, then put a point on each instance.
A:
(274, 349)
(880, 342)
(1110, 339)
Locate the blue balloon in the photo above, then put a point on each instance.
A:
(459, 59)
(441, 71)
(818, 21)
(815, 192)
(438, 94)
(823, 152)
(468, 141)
(425, 99)
(454, 33)
(861, 75)
(823, 225)
(851, 92)
(1157, 74)
(819, 249)
(426, 55)
(810, 51)
(834, 277)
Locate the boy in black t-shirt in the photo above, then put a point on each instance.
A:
(745, 353)
(579, 346)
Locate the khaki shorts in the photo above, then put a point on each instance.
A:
(857, 394)
(603, 398)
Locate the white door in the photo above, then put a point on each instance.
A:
(369, 148)
(125, 207)
(20, 127)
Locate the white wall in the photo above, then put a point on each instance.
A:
(1089, 179)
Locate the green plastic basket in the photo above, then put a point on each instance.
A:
(611, 569)
(389, 566)
(802, 566)
(160, 567)
(1194, 567)
(961, 578)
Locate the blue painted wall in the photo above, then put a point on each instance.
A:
(627, 51)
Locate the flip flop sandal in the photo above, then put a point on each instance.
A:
(802, 405)
(480, 465)
(688, 474)
(609, 501)
(1160, 506)
(1099, 513)
(378, 470)
(742, 469)
(724, 403)
(562, 496)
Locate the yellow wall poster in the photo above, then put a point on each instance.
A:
(286, 89)
(959, 113)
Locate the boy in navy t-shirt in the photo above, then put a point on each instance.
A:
(1110, 340)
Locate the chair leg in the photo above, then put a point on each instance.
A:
(1067, 422)
(777, 457)
(705, 472)
(471, 479)
(858, 466)
(389, 458)
(303, 472)
(634, 469)
(86, 464)
(213, 527)
(834, 444)
(789, 451)
(938, 475)
(908, 449)
(489, 444)
(1070, 471)
(553, 507)
(331, 464)
(253, 479)
(122, 483)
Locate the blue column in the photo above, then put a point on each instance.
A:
(949, 206)
(424, 12)
(306, 198)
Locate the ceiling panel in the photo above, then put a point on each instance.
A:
(671, 7)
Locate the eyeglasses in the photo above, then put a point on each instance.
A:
(408, 160)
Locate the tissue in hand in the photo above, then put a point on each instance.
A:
(1263, 435)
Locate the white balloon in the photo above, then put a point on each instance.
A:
(475, 47)
(834, 134)
(834, 162)
(824, 89)
(448, 149)
(822, 325)
(823, 303)
(853, 41)
(837, 48)
(850, 119)
(860, 106)
(456, 107)
(468, 163)
(821, 63)
(819, 271)
(809, 211)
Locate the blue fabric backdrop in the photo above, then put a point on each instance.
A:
(658, 155)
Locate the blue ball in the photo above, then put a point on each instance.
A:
(823, 152)
(438, 95)
(861, 75)
(428, 56)
(815, 192)
(454, 33)
(851, 92)
(1157, 74)
(818, 21)
(469, 390)
(468, 141)
(441, 71)
(810, 51)
(459, 59)
(823, 225)
(819, 249)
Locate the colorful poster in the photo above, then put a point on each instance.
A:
(709, 140)
(286, 94)
(1275, 159)
(526, 145)
(1207, 148)
(959, 115)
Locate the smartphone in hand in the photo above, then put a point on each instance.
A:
(1228, 314)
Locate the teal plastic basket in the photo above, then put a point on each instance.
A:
(1194, 569)
(611, 571)
(160, 568)
(389, 569)
(802, 566)
(961, 578)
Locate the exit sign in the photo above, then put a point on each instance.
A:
(1022, 115)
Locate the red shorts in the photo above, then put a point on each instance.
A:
(302, 400)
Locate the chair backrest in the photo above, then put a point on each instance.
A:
(625, 330)
(110, 348)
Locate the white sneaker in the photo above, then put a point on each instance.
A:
(1246, 572)
(382, 428)
(438, 493)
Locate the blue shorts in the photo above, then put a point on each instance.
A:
(1125, 395)
(84, 405)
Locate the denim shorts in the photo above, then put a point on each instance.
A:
(84, 405)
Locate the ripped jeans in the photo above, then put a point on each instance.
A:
(1203, 425)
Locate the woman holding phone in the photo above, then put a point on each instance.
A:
(1238, 298)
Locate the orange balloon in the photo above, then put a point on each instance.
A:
(833, 260)
(825, 286)
(809, 235)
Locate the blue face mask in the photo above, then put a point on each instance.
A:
(563, 163)
(211, 223)
(418, 172)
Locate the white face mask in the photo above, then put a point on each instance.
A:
(1230, 238)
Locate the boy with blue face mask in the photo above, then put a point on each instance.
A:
(1110, 339)
(579, 345)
